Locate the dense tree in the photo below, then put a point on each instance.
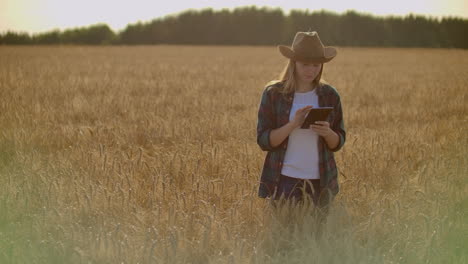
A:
(251, 25)
(14, 38)
(95, 34)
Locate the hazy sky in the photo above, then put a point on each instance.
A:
(34, 16)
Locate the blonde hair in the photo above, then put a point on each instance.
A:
(288, 77)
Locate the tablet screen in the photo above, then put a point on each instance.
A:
(316, 114)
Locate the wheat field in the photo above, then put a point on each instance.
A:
(148, 154)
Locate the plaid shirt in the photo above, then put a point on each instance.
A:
(274, 113)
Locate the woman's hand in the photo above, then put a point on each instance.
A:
(322, 128)
(300, 116)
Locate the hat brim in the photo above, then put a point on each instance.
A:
(329, 54)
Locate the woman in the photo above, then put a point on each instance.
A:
(300, 161)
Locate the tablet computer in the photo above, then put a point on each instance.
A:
(316, 114)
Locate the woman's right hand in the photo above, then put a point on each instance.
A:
(300, 116)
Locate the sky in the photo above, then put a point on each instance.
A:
(36, 16)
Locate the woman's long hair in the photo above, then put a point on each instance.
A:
(289, 78)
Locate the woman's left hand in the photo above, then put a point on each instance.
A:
(322, 128)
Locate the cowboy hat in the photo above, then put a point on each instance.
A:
(307, 47)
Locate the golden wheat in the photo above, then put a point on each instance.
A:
(147, 154)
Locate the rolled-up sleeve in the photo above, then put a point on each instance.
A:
(265, 122)
(338, 125)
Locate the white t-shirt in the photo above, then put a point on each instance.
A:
(302, 158)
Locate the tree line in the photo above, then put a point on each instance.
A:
(251, 25)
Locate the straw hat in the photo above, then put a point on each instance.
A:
(307, 47)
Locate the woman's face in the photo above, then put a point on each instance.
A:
(307, 72)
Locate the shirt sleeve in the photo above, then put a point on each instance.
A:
(265, 122)
(338, 125)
